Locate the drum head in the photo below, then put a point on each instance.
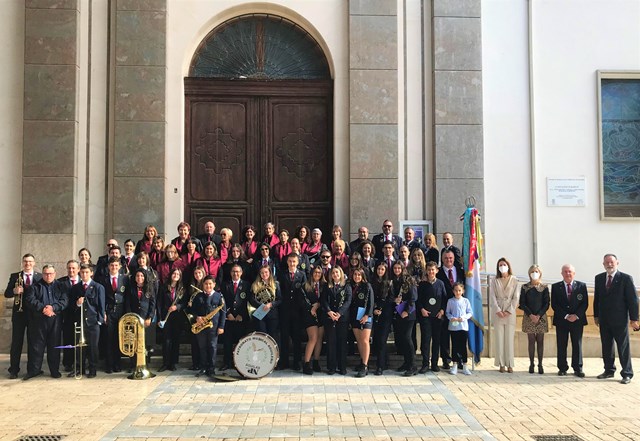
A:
(256, 355)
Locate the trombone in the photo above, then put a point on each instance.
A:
(175, 300)
(79, 342)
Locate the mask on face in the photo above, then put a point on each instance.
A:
(535, 275)
(504, 269)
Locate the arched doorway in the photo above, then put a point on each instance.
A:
(258, 125)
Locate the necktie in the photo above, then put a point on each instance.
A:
(27, 280)
(389, 263)
(128, 260)
(235, 287)
(609, 280)
(569, 291)
(451, 281)
(139, 293)
(292, 274)
(86, 285)
(114, 284)
(264, 262)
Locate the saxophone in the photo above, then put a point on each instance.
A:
(197, 328)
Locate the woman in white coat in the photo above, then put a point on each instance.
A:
(503, 296)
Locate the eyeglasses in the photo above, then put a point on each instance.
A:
(325, 257)
(387, 226)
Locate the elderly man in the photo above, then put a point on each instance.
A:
(209, 235)
(615, 308)
(569, 300)
(363, 234)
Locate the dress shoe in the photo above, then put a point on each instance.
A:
(117, 369)
(331, 371)
(604, 375)
(172, 368)
(378, 371)
(91, 374)
(72, 374)
(403, 367)
(108, 371)
(446, 365)
(225, 367)
(510, 370)
(31, 375)
(625, 380)
(316, 366)
(13, 376)
(531, 368)
(162, 368)
(193, 367)
(307, 369)
(56, 375)
(343, 371)
(363, 372)
(424, 369)
(578, 374)
(540, 369)
(435, 368)
(210, 373)
(562, 373)
(502, 369)
(296, 366)
(410, 372)
(68, 368)
(201, 372)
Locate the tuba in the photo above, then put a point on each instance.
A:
(131, 330)
(208, 320)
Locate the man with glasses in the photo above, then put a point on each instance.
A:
(18, 283)
(325, 263)
(386, 236)
(363, 235)
(45, 302)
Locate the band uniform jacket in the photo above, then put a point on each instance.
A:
(277, 300)
(8, 292)
(618, 304)
(145, 306)
(111, 297)
(236, 303)
(337, 299)
(36, 298)
(203, 304)
(94, 302)
(165, 301)
(562, 306)
(432, 297)
(291, 289)
(361, 297)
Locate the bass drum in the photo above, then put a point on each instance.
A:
(256, 355)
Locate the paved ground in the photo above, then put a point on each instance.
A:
(288, 406)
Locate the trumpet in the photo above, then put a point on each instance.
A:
(18, 297)
(175, 300)
(208, 320)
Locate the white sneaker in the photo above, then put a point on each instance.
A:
(454, 370)
(465, 370)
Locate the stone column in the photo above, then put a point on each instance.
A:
(373, 113)
(457, 63)
(50, 131)
(137, 170)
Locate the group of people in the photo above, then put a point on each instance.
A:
(615, 309)
(284, 285)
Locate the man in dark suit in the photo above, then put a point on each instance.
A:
(386, 235)
(89, 296)
(236, 294)
(18, 283)
(569, 300)
(615, 308)
(209, 235)
(115, 288)
(68, 319)
(450, 273)
(291, 285)
(447, 242)
(412, 242)
(363, 234)
(45, 300)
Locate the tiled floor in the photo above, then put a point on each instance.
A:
(288, 406)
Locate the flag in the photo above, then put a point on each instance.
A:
(472, 260)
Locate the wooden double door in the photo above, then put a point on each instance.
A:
(257, 152)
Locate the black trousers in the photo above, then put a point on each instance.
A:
(459, 346)
(562, 339)
(445, 341)
(208, 345)
(381, 330)
(171, 339)
(44, 333)
(112, 348)
(404, 330)
(430, 328)
(620, 334)
(89, 353)
(233, 332)
(19, 322)
(268, 326)
(290, 329)
(335, 334)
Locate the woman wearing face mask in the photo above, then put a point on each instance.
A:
(534, 301)
(503, 297)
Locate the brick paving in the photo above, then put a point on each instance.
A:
(289, 406)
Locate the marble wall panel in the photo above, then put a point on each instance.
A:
(373, 201)
(140, 93)
(458, 97)
(50, 92)
(456, 8)
(457, 43)
(139, 149)
(373, 97)
(450, 202)
(48, 205)
(373, 42)
(50, 36)
(52, 4)
(137, 202)
(373, 7)
(459, 151)
(140, 38)
(141, 5)
(49, 148)
(373, 151)
(54, 249)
